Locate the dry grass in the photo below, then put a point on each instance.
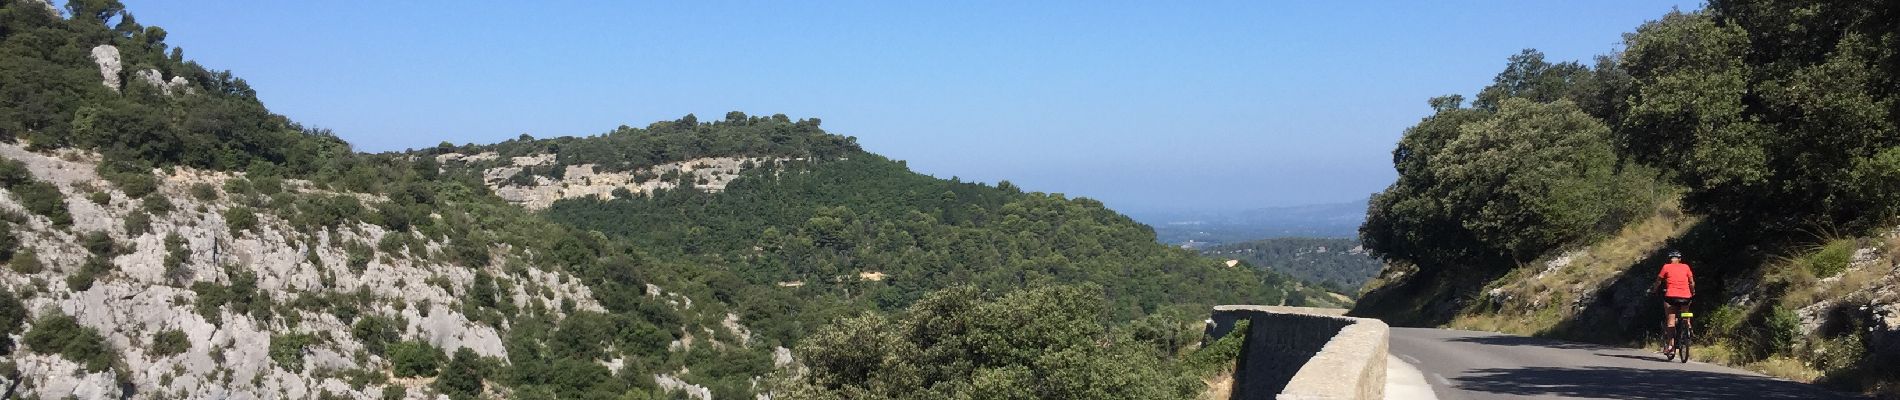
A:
(1721, 353)
(1784, 367)
(1540, 293)
(1390, 274)
(1219, 387)
(1806, 288)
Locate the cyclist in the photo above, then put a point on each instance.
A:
(1678, 285)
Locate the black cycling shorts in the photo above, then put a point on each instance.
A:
(1676, 301)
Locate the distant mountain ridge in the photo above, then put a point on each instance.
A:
(1199, 229)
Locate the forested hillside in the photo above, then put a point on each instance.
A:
(167, 236)
(853, 228)
(1762, 138)
(1333, 264)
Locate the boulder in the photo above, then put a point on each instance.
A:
(107, 57)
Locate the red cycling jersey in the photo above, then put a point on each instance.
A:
(1676, 277)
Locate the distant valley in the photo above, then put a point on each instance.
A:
(1333, 264)
(1316, 244)
(1202, 229)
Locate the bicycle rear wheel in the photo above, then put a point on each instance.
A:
(1682, 339)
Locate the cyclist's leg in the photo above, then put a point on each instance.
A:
(1669, 325)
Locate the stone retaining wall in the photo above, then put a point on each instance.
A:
(1305, 353)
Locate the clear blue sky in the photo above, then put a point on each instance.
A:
(1154, 106)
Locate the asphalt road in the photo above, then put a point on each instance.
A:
(1483, 365)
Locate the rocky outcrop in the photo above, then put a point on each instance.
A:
(467, 158)
(229, 355)
(177, 84)
(537, 192)
(670, 383)
(1873, 303)
(48, 4)
(107, 56)
(110, 67)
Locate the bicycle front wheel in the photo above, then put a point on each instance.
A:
(1682, 341)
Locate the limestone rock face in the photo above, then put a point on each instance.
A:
(50, 9)
(781, 357)
(585, 180)
(670, 383)
(152, 77)
(107, 56)
(229, 355)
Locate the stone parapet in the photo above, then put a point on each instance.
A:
(1305, 353)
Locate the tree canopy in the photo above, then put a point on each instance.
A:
(1779, 113)
(1042, 343)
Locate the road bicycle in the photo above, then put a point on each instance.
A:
(1684, 324)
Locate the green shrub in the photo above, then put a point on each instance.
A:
(98, 265)
(240, 219)
(1839, 354)
(538, 392)
(1046, 342)
(392, 243)
(239, 186)
(98, 243)
(26, 261)
(1724, 320)
(469, 253)
(176, 254)
(8, 242)
(241, 295)
(12, 318)
(80, 281)
(138, 223)
(462, 377)
(210, 300)
(287, 350)
(268, 185)
(1781, 330)
(204, 192)
(328, 211)
(134, 184)
(1220, 354)
(169, 342)
(46, 200)
(358, 256)
(414, 358)
(14, 173)
(61, 334)
(158, 204)
(395, 392)
(376, 332)
(99, 197)
(1832, 258)
(283, 202)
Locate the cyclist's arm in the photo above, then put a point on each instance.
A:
(1691, 285)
